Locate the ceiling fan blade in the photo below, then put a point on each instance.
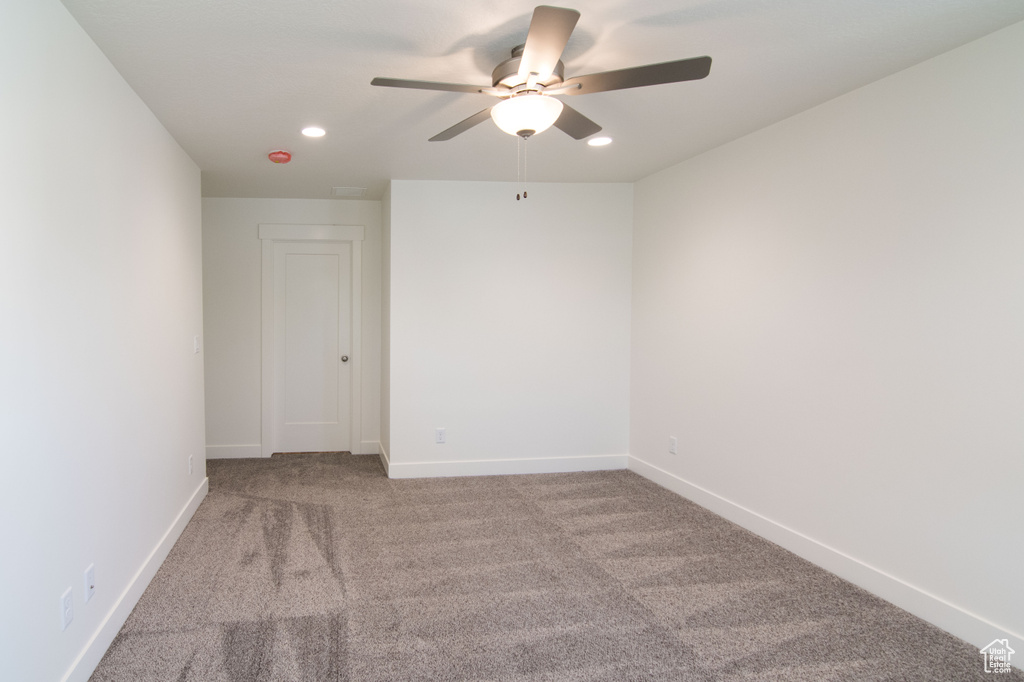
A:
(550, 29)
(462, 126)
(639, 76)
(575, 124)
(427, 85)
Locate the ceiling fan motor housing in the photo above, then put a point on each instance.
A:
(507, 73)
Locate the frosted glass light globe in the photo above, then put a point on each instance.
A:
(527, 114)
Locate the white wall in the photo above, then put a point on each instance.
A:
(232, 312)
(101, 396)
(829, 315)
(509, 327)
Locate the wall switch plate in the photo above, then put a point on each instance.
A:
(439, 436)
(673, 445)
(190, 465)
(67, 609)
(90, 581)
(195, 345)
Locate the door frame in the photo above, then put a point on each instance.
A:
(269, 235)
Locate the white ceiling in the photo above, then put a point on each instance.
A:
(235, 79)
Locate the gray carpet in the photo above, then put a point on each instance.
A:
(317, 567)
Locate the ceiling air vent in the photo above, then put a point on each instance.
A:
(347, 192)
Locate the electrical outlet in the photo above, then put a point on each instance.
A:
(89, 578)
(190, 465)
(673, 445)
(67, 609)
(439, 436)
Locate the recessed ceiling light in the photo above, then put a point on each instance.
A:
(313, 131)
(599, 141)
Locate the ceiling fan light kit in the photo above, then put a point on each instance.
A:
(529, 80)
(526, 114)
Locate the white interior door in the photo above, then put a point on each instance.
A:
(312, 408)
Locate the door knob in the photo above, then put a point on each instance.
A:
(344, 358)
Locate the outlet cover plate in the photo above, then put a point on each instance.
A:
(67, 609)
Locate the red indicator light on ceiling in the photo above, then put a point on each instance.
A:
(279, 156)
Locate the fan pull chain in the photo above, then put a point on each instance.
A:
(524, 166)
(521, 164)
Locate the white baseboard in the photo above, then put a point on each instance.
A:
(90, 657)
(929, 607)
(385, 460)
(495, 467)
(233, 451)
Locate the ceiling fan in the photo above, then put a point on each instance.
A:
(527, 82)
